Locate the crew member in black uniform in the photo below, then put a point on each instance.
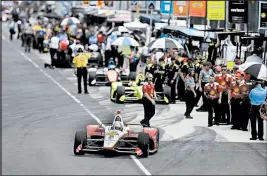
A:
(172, 72)
(212, 51)
(159, 75)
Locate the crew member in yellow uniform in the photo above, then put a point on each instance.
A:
(80, 62)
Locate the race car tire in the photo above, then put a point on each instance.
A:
(158, 138)
(91, 77)
(167, 92)
(80, 138)
(143, 143)
(112, 96)
(120, 92)
(132, 76)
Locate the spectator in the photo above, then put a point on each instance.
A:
(257, 97)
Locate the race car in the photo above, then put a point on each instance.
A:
(107, 75)
(123, 91)
(117, 137)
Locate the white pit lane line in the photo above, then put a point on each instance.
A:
(137, 162)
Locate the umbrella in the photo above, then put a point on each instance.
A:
(165, 43)
(125, 41)
(93, 47)
(255, 69)
(136, 25)
(69, 21)
(123, 29)
(254, 58)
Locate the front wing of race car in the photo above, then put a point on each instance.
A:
(93, 141)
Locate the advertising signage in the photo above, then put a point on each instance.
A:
(216, 10)
(238, 12)
(263, 15)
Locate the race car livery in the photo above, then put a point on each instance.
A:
(118, 137)
(126, 91)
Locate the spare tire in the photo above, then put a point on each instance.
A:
(143, 143)
(120, 92)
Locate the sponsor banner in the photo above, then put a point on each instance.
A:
(238, 12)
(263, 15)
(197, 9)
(166, 7)
(180, 8)
(216, 10)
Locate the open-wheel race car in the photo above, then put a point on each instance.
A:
(126, 91)
(107, 75)
(118, 137)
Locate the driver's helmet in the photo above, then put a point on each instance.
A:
(118, 118)
(117, 126)
(111, 64)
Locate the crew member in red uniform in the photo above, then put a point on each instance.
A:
(148, 101)
(224, 81)
(234, 98)
(213, 92)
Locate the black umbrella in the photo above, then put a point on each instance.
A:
(255, 69)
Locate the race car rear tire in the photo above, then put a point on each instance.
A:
(80, 138)
(143, 143)
(167, 92)
(91, 77)
(132, 76)
(120, 92)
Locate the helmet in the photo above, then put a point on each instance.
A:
(117, 126)
(80, 50)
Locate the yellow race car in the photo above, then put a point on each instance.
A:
(129, 91)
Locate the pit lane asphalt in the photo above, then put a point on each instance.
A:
(39, 122)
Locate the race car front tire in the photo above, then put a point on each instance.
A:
(120, 93)
(80, 138)
(92, 76)
(143, 143)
